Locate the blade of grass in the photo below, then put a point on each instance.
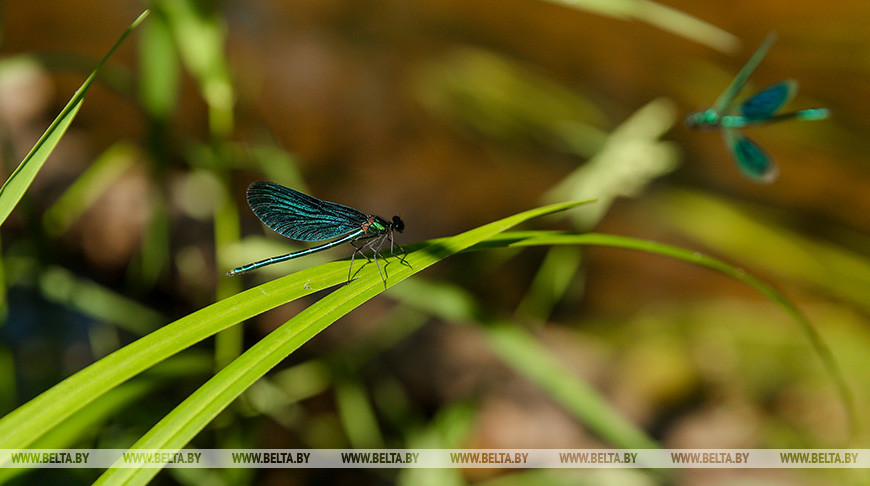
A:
(750, 236)
(26, 424)
(662, 16)
(84, 422)
(191, 416)
(520, 239)
(33, 419)
(88, 187)
(519, 348)
(30, 421)
(357, 414)
(200, 34)
(90, 421)
(448, 429)
(551, 282)
(15, 187)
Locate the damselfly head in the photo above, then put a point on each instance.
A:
(703, 119)
(398, 224)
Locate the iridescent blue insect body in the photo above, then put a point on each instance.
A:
(759, 109)
(301, 217)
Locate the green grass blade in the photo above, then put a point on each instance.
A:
(551, 282)
(27, 423)
(519, 239)
(520, 349)
(747, 235)
(200, 35)
(88, 187)
(357, 414)
(32, 420)
(15, 187)
(84, 423)
(192, 415)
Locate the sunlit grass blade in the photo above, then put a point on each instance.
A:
(159, 75)
(519, 348)
(26, 424)
(96, 301)
(90, 420)
(191, 416)
(357, 415)
(766, 243)
(85, 422)
(821, 349)
(33, 419)
(448, 429)
(630, 158)
(23, 176)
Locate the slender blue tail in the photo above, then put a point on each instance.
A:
(267, 261)
(295, 254)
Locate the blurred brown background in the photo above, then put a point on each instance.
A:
(453, 114)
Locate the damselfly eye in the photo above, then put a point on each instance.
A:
(398, 224)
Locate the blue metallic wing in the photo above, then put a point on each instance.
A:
(299, 216)
(766, 102)
(750, 158)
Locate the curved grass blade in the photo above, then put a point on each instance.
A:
(15, 187)
(200, 408)
(35, 418)
(201, 37)
(30, 421)
(520, 239)
(751, 159)
(181, 425)
(88, 421)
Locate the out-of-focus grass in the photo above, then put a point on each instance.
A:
(500, 98)
(519, 349)
(447, 429)
(759, 241)
(89, 186)
(87, 422)
(682, 365)
(15, 186)
(661, 16)
(201, 407)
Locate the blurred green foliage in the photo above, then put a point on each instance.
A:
(451, 115)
